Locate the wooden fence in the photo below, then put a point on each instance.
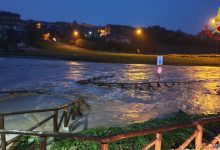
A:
(151, 85)
(68, 112)
(197, 135)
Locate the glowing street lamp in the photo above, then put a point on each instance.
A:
(139, 32)
(75, 33)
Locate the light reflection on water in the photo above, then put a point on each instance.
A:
(113, 106)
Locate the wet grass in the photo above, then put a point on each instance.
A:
(66, 52)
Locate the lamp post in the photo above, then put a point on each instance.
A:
(139, 32)
(75, 34)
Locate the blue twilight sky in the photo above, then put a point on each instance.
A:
(187, 15)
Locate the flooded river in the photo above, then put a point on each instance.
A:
(110, 106)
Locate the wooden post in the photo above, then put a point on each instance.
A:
(86, 122)
(198, 140)
(158, 141)
(2, 126)
(158, 84)
(65, 122)
(104, 146)
(43, 143)
(55, 119)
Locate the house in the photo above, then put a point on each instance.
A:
(8, 19)
(119, 29)
(11, 22)
(118, 39)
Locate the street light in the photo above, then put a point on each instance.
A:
(139, 32)
(75, 33)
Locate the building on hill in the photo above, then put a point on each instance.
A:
(119, 29)
(61, 24)
(118, 39)
(118, 33)
(12, 27)
(89, 30)
(8, 19)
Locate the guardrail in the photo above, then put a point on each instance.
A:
(67, 113)
(156, 143)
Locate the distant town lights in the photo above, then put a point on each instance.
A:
(54, 39)
(38, 25)
(46, 36)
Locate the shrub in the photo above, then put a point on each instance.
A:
(86, 44)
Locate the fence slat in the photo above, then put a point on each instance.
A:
(158, 141)
(43, 143)
(104, 146)
(2, 126)
(148, 146)
(189, 140)
(65, 122)
(198, 140)
(215, 140)
(55, 121)
(61, 120)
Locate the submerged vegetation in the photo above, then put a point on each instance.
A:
(170, 139)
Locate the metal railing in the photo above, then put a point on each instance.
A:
(67, 113)
(156, 143)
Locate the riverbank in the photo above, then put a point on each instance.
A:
(171, 139)
(66, 52)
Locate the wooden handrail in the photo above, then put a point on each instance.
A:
(36, 111)
(53, 134)
(159, 130)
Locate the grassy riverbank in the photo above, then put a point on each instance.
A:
(66, 52)
(170, 139)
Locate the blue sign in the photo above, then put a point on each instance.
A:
(159, 60)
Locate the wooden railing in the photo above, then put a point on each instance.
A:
(67, 112)
(140, 85)
(105, 141)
